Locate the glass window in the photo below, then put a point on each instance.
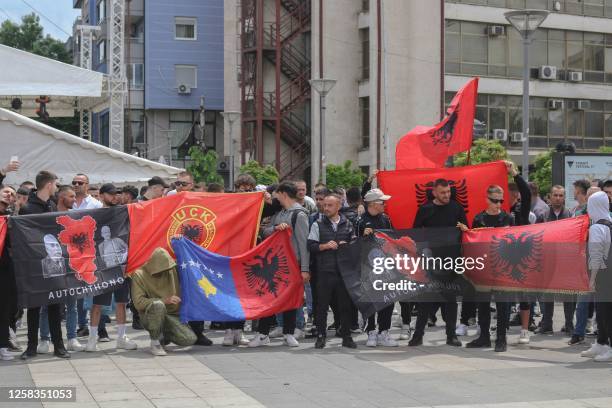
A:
(180, 130)
(473, 28)
(556, 35)
(593, 122)
(364, 107)
(185, 28)
(555, 123)
(135, 76)
(608, 59)
(575, 52)
(365, 52)
(515, 120)
(452, 26)
(538, 119)
(556, 53)
(497, 118)
(474, 48)
(102, 51)
(574, 123)
(452, 47)
(537, 53)
(516, 4)
(594, 57)
(573, 6)
(594, 8)
(497, 100)
(537, 4)
(497, 50)
(608, 119)
(101, 11)
(516, 48)
(186, 75)
(137, 126)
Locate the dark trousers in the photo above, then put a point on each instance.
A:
(383, 318)
(468, 311)
(548, 311)
(484, 318)
(198, 328)
(5, 321)
(407, 308)
(449, 312)
(55, 325)
(288, 323)
(603, 316)
(330, 286)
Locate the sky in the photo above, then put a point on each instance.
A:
(59, 12)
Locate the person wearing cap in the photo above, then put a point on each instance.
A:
(374, 219)
(156, 186)
(108, 195)
(129, 195)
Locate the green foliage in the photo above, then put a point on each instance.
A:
(605, 149)
(204, 165)
(344, 176)
(542, 175)
(483, 151)
(266, 175)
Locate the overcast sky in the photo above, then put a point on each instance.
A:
(59, 12)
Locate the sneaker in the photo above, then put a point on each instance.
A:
(501, 344)
(28, 354)
(103, 336)
(595, 350)
(125, 343)
(453, 341)
(355, 329)
(532, 326)
(276, 332)
(203, 341)
(60, 351)
(472, 321)
(83, 332)
(524, 337)
(91, 345)
(604, 357)
(320, 343)
(348, 342)
(158, 350)
(259, 340)
(405, 333)
(74, 345)
(228, 339)
(14, 346)
(416, 340)
(576, 340)
(291, 341)
(461, 330)
(298, 334)
(384, 339)
(43, 347)
(239, 338)
(5, 355)
(479, 342)
(372, 339)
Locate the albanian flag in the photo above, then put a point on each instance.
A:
(548, 257)
(427, 147)
(226, 224)
(410, 189)
(78, 253)
(261, 282)
(3, 228)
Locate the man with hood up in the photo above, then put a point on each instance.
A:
(155, 294)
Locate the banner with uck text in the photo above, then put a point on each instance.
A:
(410, 189)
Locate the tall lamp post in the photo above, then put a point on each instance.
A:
(322, 86)
(231, 116)
(526, 22)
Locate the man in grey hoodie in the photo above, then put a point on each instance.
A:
(293, 216)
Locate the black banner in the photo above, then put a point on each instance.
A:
(76, 253)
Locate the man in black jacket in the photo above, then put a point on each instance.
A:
(39, 202)
(8, 291)
(438, 213)
(326, 235)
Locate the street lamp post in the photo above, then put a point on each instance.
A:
(231, 117)
(322, 86)
(526, 22)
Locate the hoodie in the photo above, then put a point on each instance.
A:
(157, 279)
(598, 209)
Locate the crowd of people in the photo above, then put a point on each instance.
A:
(320, 226)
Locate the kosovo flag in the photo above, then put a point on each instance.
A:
(261, 282)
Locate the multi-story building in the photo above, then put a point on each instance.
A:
(398, 63)
(173, 55)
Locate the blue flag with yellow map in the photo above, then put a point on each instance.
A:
(261, 282)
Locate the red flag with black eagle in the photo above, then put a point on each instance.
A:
(548, 257)
(426, 147)
(226, 224)
(410, 189)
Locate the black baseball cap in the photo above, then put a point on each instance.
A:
(133, 191)
(108, 188)
(157, 181)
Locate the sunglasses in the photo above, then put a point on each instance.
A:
(181, 183)
(495, 200)
(78, 183)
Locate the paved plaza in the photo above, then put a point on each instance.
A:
(545, 374)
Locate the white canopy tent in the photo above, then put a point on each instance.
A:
(41, 147)
(27, 76)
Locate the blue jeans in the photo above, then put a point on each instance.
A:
(299, 319)
(582, 314)
(308, 291)
(71, 320)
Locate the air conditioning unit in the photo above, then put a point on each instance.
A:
(223, 164)
(496, 30)
(516, 137)
(547, 72)
(574, 76)
(583, 104)
(555, 104)
(500, 134)
(184, 89)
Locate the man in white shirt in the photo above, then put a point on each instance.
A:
(84, 201)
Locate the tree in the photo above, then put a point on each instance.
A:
(204, 165)
(482, 151)
(542, 175)
(344, 176)
(605, 149)
(266, 175)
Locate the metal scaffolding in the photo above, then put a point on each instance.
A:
(86, 37)
(118, 85)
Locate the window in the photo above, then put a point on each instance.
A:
(365, 53)
(135, 76)
(103, 129)
(185, 28)
(102, 52)
(101, 11)
(364, 112)
(365, 6)
(181, 131)
(186, 75)
(136, 119)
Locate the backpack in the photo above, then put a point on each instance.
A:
(479, 218)
(294, 216)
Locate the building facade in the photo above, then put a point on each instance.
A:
(173, 61)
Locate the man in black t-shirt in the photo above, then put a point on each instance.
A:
(438, 213)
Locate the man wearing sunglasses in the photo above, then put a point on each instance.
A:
(184, 182)
(84, 201)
